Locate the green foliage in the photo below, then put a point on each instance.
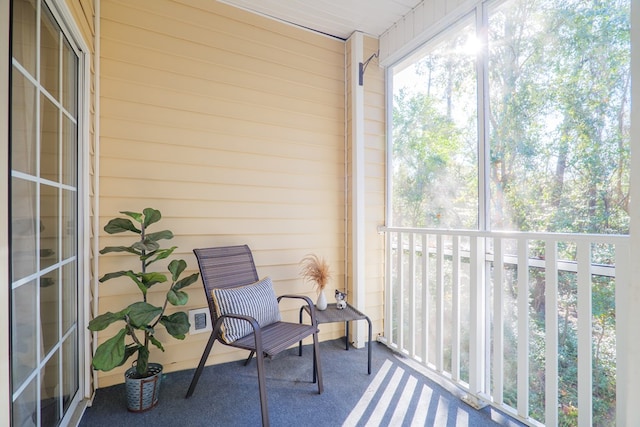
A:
(567, 98)
(558, 128)
(603, 349)
(558, 120)
(140, 318)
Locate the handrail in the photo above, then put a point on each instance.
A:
(529, 235)
(432, 302)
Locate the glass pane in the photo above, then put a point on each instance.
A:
(69, 295)
(435, 143)
(50, 392)
(69, 79)
(69, 370)
(25, 407)
(69, 231)
(23, 40)
(69, 150)
(49, 221)
(24, 229)
(23, 124)
(49, 138)
(49, 53)
(49, 286)
(23, 332)
(559, 118)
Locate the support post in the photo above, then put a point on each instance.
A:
(357, 188)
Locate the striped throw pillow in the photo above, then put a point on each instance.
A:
(257, 300)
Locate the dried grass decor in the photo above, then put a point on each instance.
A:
(316, 270)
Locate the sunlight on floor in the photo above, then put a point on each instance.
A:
(382, 394)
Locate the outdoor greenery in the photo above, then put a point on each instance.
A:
(553, 146)
(557, 115)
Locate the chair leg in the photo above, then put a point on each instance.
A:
(246, 362)
(369, 349)
(261, 380)
(316, 364)
(300, 343)
(346, 338)
(203, 360)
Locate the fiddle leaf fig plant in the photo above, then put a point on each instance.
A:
(140, 319)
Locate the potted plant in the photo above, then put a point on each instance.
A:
(140, 319)
(315, 269)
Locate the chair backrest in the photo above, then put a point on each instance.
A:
(225, 267)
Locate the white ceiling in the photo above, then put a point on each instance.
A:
(338, 18)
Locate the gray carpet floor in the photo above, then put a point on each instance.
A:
(395, 394)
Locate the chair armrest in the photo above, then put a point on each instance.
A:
(257, 332)
(251, 320)
(312, 307)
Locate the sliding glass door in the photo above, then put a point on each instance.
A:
(44, 217)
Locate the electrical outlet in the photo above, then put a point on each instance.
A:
(200, 320)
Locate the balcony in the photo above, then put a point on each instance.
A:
(553, 317)
(452, 357)
(449, 342)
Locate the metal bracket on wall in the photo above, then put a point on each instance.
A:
(363, 67)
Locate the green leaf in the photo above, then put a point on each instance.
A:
(115, 274)
(176, 267)
(157, 255)
(177, 324)
(119, 225)
(146, 245)
(129, 274)
(137, 216)
(142, 313)
(186, 281)
(150, 216)
(155, 342)
(143, 361)
(135, 278)
(129, 351)
(165, 234)
(110, 353)
(177, 297)
(104, 320)
(109, 249)
(150, 279)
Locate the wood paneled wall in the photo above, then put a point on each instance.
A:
(233, 125)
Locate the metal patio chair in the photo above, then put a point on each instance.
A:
(229, 277)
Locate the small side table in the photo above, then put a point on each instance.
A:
(332, 314)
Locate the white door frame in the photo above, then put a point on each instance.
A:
(5, 365)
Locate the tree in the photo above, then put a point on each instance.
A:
(558, 141)
(435, 139)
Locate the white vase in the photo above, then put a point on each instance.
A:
(321, 304)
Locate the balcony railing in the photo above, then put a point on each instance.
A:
(522, 321)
